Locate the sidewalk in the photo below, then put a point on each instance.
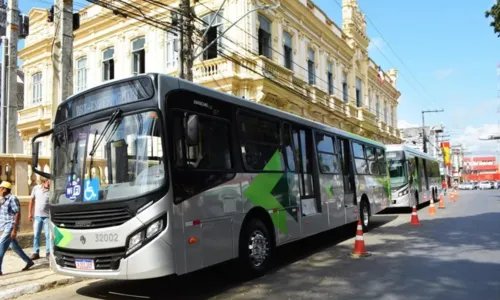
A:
(15, 283)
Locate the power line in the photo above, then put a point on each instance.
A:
(303, 77)
(236, 61)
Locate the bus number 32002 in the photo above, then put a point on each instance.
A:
(111, 237)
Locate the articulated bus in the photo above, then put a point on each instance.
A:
(153, 175)
(415, 176)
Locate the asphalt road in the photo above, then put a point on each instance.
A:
(453, 255)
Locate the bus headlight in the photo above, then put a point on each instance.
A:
(145, 234)
(154, 228)
(402, 193)
(135, 240)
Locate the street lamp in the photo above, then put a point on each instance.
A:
(490, 137)
(263, 7)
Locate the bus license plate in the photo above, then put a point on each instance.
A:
(84, 264)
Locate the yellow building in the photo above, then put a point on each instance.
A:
(293, 58)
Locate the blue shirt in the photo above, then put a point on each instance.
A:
(8, 209)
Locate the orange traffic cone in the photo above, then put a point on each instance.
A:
(441, 202)
(414, 217)
(456, 196)
(359, 244)
(432, 208)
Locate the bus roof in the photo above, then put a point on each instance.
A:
(406, 148)
(183, 84)
(172, 83)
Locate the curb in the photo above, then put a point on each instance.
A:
(37, 287)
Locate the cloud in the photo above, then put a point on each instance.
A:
(478, 108)
(406, 124)
(470, 139)
(443, 73)
(376, 43)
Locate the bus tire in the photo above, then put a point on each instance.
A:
(255, 248)
(364, 214)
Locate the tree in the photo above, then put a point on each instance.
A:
(495, 13)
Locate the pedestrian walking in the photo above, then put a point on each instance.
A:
(10, 224)
(39, 215)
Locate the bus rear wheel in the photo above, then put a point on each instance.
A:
(255, 248)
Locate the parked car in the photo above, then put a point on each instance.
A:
(465, 185)
(483, 185)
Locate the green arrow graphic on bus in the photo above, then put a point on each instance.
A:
(62, 237)
(260, 191)
(329, 190)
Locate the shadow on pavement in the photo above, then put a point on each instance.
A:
(446, 258)
(218, 279)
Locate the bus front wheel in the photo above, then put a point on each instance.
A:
(255, 248)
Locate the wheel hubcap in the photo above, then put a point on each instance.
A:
(258, 248)
(365, 216)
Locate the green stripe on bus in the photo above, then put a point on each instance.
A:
(259, 192)
(62, 237)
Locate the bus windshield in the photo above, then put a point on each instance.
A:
(109, 160)
(398, 174)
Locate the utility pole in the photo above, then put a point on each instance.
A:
(423, 126)
(10, 105)
(3, 106)
(66, 51)
(186, 40)
(62, 52)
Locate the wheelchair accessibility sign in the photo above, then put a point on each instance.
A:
(91, 189)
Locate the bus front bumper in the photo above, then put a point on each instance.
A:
(403, 201)
(154, 259)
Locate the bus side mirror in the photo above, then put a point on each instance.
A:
(35, 151)
(192, 130)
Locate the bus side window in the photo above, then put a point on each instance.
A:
(381, 162)
(200, 163)
(212, 150)
(290, 152)
(260, 143)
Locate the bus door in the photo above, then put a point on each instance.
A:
(350, 203)
(311, 208)
(293, 179)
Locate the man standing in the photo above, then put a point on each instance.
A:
(40, 197)
(444, 185)
(10, 216)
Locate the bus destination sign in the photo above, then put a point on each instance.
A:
(109, 96)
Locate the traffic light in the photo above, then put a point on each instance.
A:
(24, 26)
(76, 21)
(50, 17)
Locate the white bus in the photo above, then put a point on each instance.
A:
(415, 176)
(153, 175)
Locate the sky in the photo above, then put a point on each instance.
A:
(447, 57)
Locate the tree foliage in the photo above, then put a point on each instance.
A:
(494, 12)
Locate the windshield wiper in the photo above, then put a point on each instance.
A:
(104, 133)
(111, 121)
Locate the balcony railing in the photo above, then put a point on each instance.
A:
(214, 69)
(364, 114)
(35, 113)
(16, 168)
